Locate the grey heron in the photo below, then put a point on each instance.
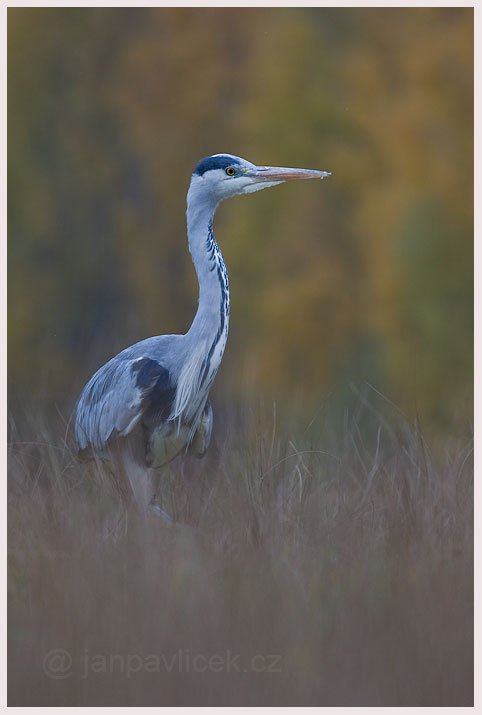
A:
(150, 402)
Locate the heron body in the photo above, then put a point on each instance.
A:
(150, 402)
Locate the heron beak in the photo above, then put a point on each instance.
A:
(281, 173)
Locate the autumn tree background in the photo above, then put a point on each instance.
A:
(365, 278)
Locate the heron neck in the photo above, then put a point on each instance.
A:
(212, 315)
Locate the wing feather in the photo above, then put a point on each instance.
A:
(116, 398)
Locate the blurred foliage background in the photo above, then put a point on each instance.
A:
(367, 277)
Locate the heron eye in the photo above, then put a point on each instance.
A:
(230, 171)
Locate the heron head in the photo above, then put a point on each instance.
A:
(223, 175)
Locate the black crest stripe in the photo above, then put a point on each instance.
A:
(215, 162)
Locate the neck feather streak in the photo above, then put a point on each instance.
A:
(209, 330)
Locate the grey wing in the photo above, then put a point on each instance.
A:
(116, 398)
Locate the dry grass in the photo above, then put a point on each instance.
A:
(342, 575)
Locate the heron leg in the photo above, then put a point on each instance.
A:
(157, 511)
(143, 483)
(157, 500)
(135, 482)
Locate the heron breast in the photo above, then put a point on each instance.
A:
(165, 443)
